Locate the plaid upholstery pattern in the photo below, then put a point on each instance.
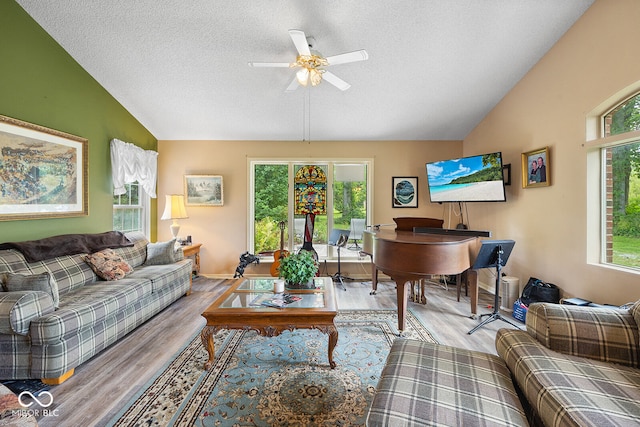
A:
(86, 307)
(53, 360)
(71, 272)
(135, 255)
(15, 356)
(93, 314)
(18, 309)
(606, 334)
(424, 384)
(566, 390)
(163, 276)
(12, 260)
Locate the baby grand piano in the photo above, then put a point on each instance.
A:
(407, 255)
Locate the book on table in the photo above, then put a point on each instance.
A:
(275, 300)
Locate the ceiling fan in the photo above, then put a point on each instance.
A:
(312, 64)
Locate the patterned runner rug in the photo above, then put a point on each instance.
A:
(284, 380)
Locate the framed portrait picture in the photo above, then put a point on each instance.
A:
(536, 168)
(203, 190)
(43, 172)
(404, 192)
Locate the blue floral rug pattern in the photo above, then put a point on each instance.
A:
(284, 380)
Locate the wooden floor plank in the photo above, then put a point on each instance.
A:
(101, 387)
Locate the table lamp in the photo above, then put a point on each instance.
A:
(174, 210)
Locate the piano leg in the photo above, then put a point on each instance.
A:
(374, 278)
(401, 291)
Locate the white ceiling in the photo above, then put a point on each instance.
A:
(435, 68)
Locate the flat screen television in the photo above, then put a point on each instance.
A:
(467, 179)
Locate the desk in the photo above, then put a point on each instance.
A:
(193, 251)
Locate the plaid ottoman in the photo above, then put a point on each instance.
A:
(425, 384)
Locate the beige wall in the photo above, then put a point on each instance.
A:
(223, 230)
(594, 60)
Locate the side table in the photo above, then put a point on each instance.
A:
(193, 251)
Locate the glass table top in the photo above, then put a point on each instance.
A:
(257, 293)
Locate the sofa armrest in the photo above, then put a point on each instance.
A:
(605, 334)
(19, 308)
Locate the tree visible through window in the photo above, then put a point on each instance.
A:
(622, 187)
(347, 198)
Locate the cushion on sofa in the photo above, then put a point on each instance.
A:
(163, 276)
(108, 265)
(70, 271)
(12, 260)
(43, 282)
(136, 254)
(431, 384)
(570, 390)
(161, 253)
(606, 334)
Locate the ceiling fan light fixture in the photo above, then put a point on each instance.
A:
(303, 76)
(315, 76)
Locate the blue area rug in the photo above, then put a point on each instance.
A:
(284, 380)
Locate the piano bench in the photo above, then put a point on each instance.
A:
(432, 384)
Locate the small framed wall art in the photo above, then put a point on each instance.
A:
(536, 168)
(404, 192)
(203, 190)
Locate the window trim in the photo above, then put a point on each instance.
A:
(594, 145)
(291, 162)
(145, 206)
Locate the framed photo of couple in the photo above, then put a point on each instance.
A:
(536, 168)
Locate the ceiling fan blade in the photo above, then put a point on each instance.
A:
(269, 64)
(300, 41)
(293, 85)
(344, 58)
(335, 80)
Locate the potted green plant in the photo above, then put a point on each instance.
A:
(298, 270)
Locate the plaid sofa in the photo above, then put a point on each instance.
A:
(38, 341)
(573, 366)
(576, 366)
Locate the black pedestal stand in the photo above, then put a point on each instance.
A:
(494, 253)
(339, 239)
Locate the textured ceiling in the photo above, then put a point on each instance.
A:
(435, 68)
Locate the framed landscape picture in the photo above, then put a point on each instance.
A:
(203, 190)
(404, 191)
(536, 168)
(43, 172)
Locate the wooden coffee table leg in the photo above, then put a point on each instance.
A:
(333, 340)
(206, 336)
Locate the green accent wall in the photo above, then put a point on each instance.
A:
(41, 83)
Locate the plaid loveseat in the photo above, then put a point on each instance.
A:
(576, 366)
(40, 341)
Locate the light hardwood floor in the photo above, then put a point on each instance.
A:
(102, 386)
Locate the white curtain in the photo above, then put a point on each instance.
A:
(130, 163)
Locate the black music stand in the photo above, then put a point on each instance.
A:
(494, 253)
(339, 239)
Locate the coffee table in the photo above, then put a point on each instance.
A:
(316, 309)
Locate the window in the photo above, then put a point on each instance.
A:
(131, 210)
(620, 222)
(272, 203)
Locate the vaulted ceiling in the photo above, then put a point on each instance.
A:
(435, 67)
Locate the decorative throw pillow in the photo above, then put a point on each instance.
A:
(108, 265)
(43, 282)
(161, 253)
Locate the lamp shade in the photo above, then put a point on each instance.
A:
(174, 207)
